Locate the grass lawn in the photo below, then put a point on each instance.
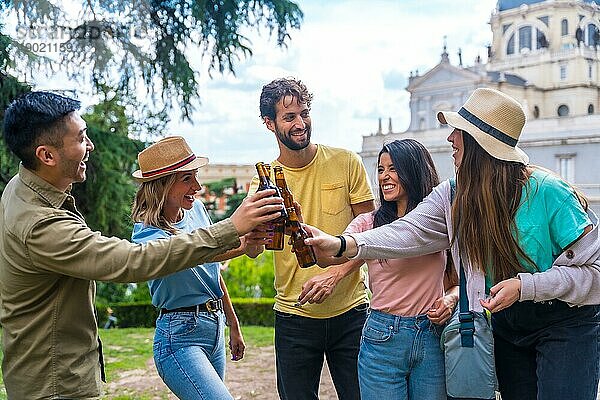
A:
(130, 348)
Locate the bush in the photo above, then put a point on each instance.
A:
(130, 315)
(247, 277)
(255, 311)
(249, 311)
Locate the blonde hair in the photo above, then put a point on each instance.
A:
(150, 200)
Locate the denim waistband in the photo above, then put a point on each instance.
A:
(397, 320)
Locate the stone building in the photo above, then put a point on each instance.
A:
(545, 54)
(242, 173)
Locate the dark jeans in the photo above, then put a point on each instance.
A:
(300, 343)
(547, 351)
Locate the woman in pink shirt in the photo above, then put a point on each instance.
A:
(400, 355)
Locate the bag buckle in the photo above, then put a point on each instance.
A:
(466, 316)
(214, 305)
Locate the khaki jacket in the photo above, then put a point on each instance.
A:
(49, 259)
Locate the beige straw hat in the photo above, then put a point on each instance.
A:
(494, 120)
(167, 156)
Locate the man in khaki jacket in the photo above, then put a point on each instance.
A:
(49, 257)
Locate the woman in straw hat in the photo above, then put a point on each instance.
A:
(193, 304)
(529, 246)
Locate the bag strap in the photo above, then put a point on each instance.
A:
(465, 317)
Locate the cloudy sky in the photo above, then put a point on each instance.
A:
(354, 55)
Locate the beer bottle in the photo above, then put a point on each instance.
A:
(279, 230)
(304, 253)
(288, 199)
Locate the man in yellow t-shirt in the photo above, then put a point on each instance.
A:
(332, 187)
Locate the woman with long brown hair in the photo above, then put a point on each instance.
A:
(529, 246)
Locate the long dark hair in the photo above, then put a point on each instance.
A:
(488, 194)
(416, 173)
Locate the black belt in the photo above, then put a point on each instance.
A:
(209, 306)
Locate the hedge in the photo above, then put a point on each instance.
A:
(249, 311)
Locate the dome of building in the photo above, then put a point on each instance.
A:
(508, 4)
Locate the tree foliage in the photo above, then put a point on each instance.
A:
(247, 277)
(10, 88)
(106, 196)
(153, 44)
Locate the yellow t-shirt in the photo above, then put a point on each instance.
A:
(325, 188)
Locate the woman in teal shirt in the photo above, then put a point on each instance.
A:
(525, 239)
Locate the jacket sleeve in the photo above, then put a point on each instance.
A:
(63, 244)
(574, 277)
(421, 231)
(575, 285)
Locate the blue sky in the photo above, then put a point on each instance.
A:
(354, 55)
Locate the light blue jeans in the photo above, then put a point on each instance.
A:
(189, 353)
(400, 358)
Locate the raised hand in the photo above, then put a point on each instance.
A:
(323, 244)
(259, 208)
(257, 239)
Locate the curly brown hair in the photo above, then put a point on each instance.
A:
(280, 88)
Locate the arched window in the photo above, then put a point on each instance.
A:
(536, 112)
(593, 35)
(510, 47)
(540, 40)
(591, 109)
(564, 27)
(563, 110)
(525, 38)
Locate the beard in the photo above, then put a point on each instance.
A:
(288, 140)
(72, 169)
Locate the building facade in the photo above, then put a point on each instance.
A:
(545, 54)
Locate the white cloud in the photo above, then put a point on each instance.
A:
(348, 53)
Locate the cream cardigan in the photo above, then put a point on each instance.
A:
(574, 277)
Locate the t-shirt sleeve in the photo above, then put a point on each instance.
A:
(143, 234)
(361, 223)
(360, 189)
(566, 217)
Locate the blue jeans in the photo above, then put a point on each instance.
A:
(300, 344)
(400, 358)
(547, 351)
(189, 353)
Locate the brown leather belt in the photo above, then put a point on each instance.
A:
(209, 306)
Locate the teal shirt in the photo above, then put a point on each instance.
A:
(548, 219)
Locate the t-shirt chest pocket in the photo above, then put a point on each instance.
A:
(334, 198)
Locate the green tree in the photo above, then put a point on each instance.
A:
(147, 43)
(10, 88)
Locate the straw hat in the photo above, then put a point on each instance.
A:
(494, 120)
(167, 156)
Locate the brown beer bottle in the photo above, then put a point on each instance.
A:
(279, 230)
(304, 253)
